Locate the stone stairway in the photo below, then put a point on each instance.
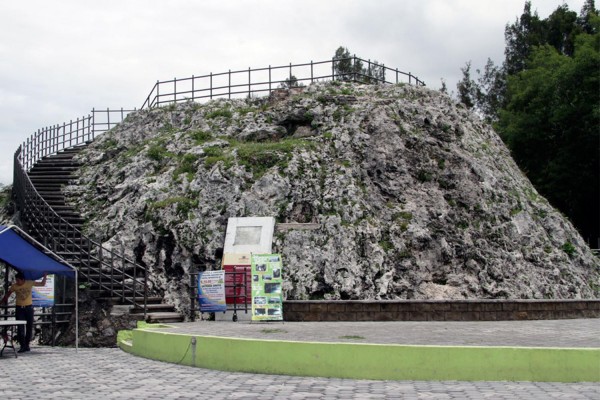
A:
(49, 175)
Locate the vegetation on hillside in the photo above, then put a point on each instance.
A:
(544, 101)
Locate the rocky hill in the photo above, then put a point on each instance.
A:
(414, 197)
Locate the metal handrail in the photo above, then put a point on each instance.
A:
(240, 83)
(61, 236)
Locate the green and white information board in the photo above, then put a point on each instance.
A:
(267, 299)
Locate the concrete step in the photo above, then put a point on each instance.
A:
(51, 181)
(51, 194)
(115, 294)
(57, 164)
(51, 170)
(49, 176)
(64, 154)
(164, 317)
(62, 208)
(154, 308)
(138, 300)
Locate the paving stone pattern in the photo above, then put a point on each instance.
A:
(545, 333)
(109, 373)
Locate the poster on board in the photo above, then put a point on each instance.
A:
(43, 296)
(267, 298)
(211, 291)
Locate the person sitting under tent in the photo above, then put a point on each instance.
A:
(24, 307)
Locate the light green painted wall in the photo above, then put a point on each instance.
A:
(370, 361)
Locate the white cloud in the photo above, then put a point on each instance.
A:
(59, 59)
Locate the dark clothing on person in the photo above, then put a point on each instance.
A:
(24, 333)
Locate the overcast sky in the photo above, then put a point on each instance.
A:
(59, 59)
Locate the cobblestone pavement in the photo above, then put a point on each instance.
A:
(62, 373)
(545, 333)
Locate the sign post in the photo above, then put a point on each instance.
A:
(267, 299)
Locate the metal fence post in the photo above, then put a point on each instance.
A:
(93, 124)
(145, 293)
(157, 97)
(192, 298)
(333, 68)
(53, 329)
(123, 274)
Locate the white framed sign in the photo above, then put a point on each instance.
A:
(249, 235)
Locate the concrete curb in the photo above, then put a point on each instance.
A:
(368, 361)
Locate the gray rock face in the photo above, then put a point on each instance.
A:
(415, 197)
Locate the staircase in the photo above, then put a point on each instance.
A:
(107, 275)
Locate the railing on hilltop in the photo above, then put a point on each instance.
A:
(252, 82)
(101, 266)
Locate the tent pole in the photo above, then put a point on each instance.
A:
(76, 311)
(5, 311)
(5, 278)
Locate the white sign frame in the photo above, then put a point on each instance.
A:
(264, 245)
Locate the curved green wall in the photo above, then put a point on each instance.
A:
(369, 361)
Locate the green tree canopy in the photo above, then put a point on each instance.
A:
(551, 123)
(348, 67)
(544, 102)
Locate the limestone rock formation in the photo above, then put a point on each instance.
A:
(415, 196)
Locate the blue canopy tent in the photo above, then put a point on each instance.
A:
(18, 250)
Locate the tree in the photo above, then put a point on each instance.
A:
(348, 67)
(520, 38)
(551, 122)
(544, 102)
(467, 88)
(484, 95)
(290, 82)
(491, 88)
(444, 88)
(588, 12)
(560, 30)
(373, 73)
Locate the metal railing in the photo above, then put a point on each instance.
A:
(81, 131)
(237, 289)
(104, 269)
(253, 82)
